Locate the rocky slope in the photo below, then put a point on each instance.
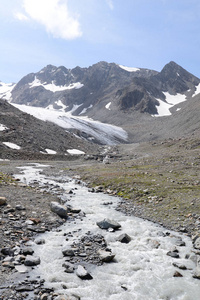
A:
(23, 136)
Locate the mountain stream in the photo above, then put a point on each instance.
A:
(141, 270)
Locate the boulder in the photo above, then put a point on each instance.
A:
(32, 260)
(197, 243)
(82, 273)
(67, 251)
(107, 223)
(124, 238)
(106, 256)
(2, 200)
(59, 209)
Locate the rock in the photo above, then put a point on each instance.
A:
(27, 251)
(2, 200)
(180, 266)
(177, 274)
(69, 268)
(59, 209)
(197, 243)
(173, 254)
(21, 269)
(106, 256)
(124, 238)
(107, 223)
(32, 261)
(8, 264)
(20, 207)
(67, 251)
(39, 241)
(23, 288)
(197, 273)
(82, 273)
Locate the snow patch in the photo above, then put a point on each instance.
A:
(171, 100)
(108, 106)
(49, 151)
(3, 127)
(5, 90)
(197, 90)
(85, 109)
(129, 69)
(12, 145)
(55, 88)
(75, 151)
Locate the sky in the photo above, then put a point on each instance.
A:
(134, 33)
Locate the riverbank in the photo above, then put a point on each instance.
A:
(158, 182)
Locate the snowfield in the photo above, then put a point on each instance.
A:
(104, 133)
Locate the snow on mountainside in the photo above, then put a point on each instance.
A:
(94, 130)
(85, 100)
(6, 90)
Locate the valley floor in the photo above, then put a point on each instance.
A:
(158, 181)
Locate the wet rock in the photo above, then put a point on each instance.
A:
(21, 269)
(2, 200)
(82, 273)
(173, 254)
(67, 251)
(177, 274)
(69, 268)
(39, 241)
(59, 209)
(24, 288)
(8, 264)
(32, 260)
(197, 243)
(124, 238)
(20, 207)
(27, 251)
(180, 266)
(106, 256)
(107, 223)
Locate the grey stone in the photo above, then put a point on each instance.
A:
(67, 251)
(39, 241)
(82, 273)
(32, 260)
(124, 238)
(197, 243)
(106, 256)
(59, 209)
(107, 223)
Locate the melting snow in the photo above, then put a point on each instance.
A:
(129, 69)
(171, 100)
(5, 90)
(108, 106)
(12, 145)
(3, 127)
(85, 109)
(49, 151)
(105, 133)
(75, 151)
(55, 88)
(197, 90)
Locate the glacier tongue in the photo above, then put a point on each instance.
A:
(102, 132)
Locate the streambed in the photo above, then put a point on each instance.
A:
(141, 269)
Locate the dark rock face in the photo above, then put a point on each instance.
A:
(101, 83)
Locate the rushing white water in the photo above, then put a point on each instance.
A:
(140, 271)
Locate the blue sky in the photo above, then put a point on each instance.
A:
(134, 33)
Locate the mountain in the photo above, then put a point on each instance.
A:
(139, 104)
(35, 138)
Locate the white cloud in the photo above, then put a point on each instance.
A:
(21, 17)
(110, 4)
(54, 16)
